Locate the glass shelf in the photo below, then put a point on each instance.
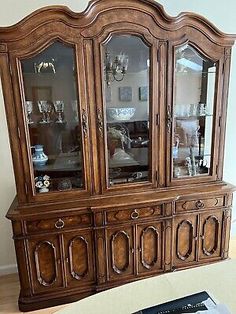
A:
(126, 99)
(193, 118)
(52, 115)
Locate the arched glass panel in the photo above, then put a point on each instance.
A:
(193, 113)
(126, 98)
(52, 114)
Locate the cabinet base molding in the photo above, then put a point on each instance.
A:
(27, 304)
(37, 303)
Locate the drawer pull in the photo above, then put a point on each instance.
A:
(199, 204)
(59, 224)
(134, 214)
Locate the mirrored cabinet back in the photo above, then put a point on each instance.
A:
(116, 119)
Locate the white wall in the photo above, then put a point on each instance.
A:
(222, 15)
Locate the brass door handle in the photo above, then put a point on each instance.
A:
(134, 214)
(59, 224)
(199, 204)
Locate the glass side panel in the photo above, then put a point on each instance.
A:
(126, 90)
(52, 114)
(193, 113)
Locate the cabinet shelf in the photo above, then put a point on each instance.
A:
(193, 117)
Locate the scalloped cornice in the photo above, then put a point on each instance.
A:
(95, 8)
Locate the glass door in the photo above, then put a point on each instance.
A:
(55, 123)
(193, 110)
(126, 81)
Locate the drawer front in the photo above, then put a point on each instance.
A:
(200, 203)
(134, 214)
(59, 223)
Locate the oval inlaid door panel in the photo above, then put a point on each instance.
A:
(78, 257)
(184, 239)
(45, 260)
(120, 244)
(149, 247)
(210, 235)
(121, 252)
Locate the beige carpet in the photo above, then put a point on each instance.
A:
(218, 279)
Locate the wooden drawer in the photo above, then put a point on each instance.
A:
(199, 203)
(59, 223)
(133, 214)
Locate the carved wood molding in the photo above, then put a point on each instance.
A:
(96, 9)
(101, 252)
(100, 122)
(85, 122)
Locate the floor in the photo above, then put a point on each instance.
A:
(9, 291)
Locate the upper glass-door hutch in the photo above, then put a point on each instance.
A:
(126, 108)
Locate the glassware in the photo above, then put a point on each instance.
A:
(62, 142)
(127, 124)
(59, 108)
(29, 110)
(74, 104)
(44, 108)
(193, 100)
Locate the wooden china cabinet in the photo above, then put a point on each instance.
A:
(116, 119)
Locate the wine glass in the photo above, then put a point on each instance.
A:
(42, 105)
(59, 108)
(74, 104)
(29, 110)
(48, 111)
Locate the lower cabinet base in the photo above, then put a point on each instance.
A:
(27, 304)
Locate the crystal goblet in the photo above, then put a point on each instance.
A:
(59, 108)
(43, 108)
(29, 110)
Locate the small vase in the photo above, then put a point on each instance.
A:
(39, 157)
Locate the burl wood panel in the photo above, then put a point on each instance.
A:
(210, 234)
(134, 214)
(45, 263)
(79, 258)
(185, 237)
(120, 252)
(149, 247)
(58, 223)
(201, 203)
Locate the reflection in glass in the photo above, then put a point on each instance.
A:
(126, 98)
(55, 135)
(193, 113)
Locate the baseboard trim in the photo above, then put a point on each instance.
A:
(8, 269)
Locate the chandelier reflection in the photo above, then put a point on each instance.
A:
(116, 69)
